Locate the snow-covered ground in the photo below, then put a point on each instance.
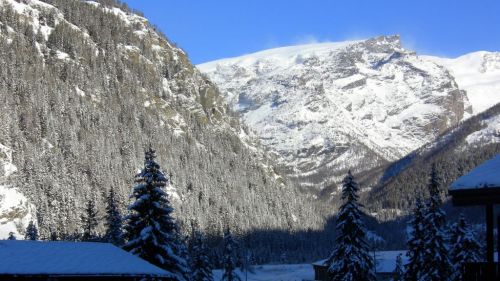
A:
(280, 272)
(385, 261)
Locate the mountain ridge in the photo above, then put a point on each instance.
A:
(390, 100)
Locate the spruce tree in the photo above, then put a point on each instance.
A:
(229, 259)
(114, 233)
(53, 236)
(351, 259)
(90, 222)
(464, 248)
(11, 236)
(415, 242)
(151, 230)
(437, 265)
(201, 269)
(247, 262)
(31, 232)
(398, 270)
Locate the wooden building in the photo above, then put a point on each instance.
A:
(385, 262)
(58, 260)
(481, 187)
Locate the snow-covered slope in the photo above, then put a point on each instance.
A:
(489, 133)
(90, 85)
(15, 210)
(325, 108)
(479, 74)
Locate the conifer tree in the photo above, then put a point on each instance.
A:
(351, 259)
(151, 230)
(201, 269)
(415, 242)
(53, 236)
(229, 259)
(247, 261)
(114, 233)
(11, 236)
(398, 270)
(464, 248)
(89, 221)
(31, 232)
(437, 265)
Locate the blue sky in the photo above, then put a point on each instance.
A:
(214, 29)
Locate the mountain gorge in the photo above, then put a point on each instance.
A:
(86, 86)
(258, 143)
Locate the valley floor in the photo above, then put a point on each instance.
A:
(279, 272)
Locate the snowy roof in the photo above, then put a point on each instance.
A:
(486, 175)
(74, 258)
(385, 260)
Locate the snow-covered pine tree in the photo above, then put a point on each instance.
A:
(437, 264)
(31, 232)
(464, 248)
(246, 263)
(414, 267)
(53, 236)
(114, 227)
(398, 270)
(89, 221)
(201, 270)
(11, 236)
(350, 259)
(229, 259)
(151, 230)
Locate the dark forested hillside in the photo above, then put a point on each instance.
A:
(86, 86)
(455, 153)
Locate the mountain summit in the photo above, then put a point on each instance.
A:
(325, 108)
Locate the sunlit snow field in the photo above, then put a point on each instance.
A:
(385, 261)
(280, 272)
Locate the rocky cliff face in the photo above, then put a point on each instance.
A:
(325, 108)
(477, 73)
(15, 210)
(85, 86)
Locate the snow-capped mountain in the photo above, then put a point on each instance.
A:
(477, 73)
(325, 108)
